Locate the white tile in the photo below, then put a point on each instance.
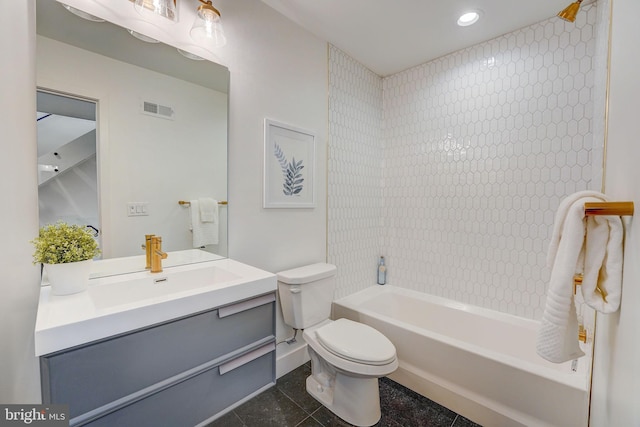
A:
(478, 148)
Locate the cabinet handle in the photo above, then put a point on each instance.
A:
(246, 358)
(245, 305)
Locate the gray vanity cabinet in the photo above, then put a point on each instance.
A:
(180, 372)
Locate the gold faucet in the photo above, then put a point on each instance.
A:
(147, 248)
(156, 254)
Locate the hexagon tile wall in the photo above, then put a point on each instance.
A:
(356, 148)
(479, 147)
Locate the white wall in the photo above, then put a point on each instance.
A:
(278, 71)
(616, 375)
(19, 381)
(144, 158)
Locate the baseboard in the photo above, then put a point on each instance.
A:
(290, 356)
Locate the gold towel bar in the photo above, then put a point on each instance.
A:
(185, 203)
(577, 281)
(582, 334)
(608, 208)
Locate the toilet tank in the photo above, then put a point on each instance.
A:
(306, 294)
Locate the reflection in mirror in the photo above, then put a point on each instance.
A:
(160, 136)
(67, 167)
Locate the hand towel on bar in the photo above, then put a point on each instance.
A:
(208, 209)
(561, 214)
(558, 335)
(204, 233)
(603, 255)
(568, 255)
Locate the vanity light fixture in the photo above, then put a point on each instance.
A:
(468, 18)
(569, 13)
(142, 37)
(190, 55)
(164, 8)
(82, 14)
(207, 27)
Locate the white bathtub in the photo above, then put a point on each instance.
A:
(479, 363)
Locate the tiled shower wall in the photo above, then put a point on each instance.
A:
(478, 149)
(355, 178)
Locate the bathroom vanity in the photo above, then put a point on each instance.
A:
(174, 348)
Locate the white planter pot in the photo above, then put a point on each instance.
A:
(69, 278)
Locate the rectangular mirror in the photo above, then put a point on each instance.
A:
(160, 135)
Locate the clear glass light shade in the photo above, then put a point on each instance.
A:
(207, 27)
(164, 8)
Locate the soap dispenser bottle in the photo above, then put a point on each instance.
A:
(382, 272)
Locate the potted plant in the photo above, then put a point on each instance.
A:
(66, 251)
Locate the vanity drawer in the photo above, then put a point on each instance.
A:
(198, 398)
(91, 376)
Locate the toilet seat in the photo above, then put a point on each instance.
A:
(356, 342)
(349, 367)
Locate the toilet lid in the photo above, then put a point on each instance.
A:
(356, 342)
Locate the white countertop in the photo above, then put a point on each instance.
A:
(118, 304)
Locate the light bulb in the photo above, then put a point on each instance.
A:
(468, 18)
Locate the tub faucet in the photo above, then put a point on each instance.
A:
(156, 254)
(147, 248)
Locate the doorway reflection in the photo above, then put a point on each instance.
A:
(67, 161)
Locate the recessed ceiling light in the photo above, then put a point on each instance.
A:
(468, 18)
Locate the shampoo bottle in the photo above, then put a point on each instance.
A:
(382, 272)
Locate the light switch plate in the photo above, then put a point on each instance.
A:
(137, 209)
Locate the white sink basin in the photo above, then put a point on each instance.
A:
(132, 264)
(153, 286)
(118, 304)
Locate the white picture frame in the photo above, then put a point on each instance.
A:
(289, 166)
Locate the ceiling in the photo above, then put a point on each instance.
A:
(388, 36)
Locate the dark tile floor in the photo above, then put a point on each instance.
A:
(289, 405)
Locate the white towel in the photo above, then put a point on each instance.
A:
(208, 209)
(561, 214)
(204, 233)
(569, 254)
(602, 277)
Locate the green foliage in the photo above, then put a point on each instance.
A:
(291, 171)
(60, 243)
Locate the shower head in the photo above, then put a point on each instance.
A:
(569, 13)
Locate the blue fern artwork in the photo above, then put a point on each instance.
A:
(292, 183)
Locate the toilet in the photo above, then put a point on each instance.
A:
(347, 357)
